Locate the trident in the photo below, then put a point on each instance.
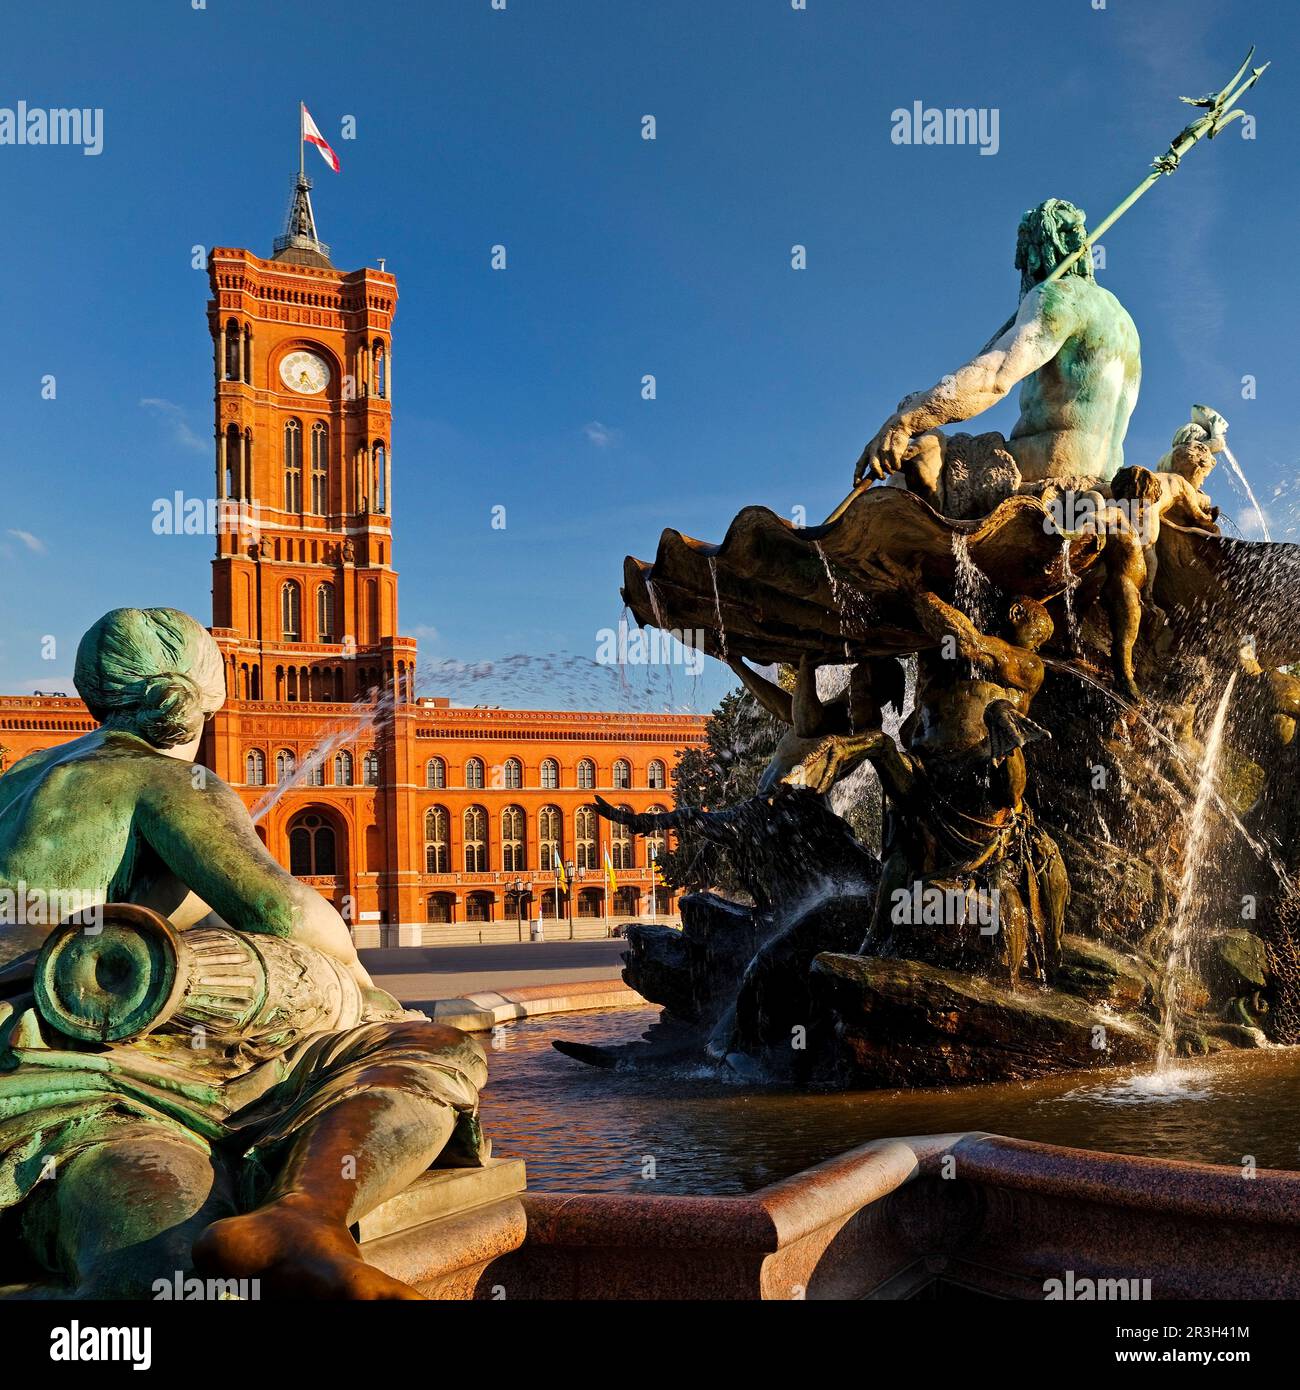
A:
(1219, 112)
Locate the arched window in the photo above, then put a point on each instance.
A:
(316, 775)
(381, 371)
(232, 350)
(234, 473)
(550, 774)
(584, 835)
(292, 466)
(313, 852)
(320, 452)
(474, 774)
(437, 841)
(513, 773)
(478, 907)
(381, 477)
(514, 851)
(656, 841)
(255, 768)
(343, 769)
(285, 765)
(586, 775)
(325, 612)
(476, 846)
(622, 847)
(623, 774)
(291, 612)
(370, 769)
(656, 777)
(435, 774)
(550, 836)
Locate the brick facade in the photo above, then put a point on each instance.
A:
(415, 815)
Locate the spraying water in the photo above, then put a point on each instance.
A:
(971, 588)
(654, 603)
(1067, 596)
(836, 594)
(1188, 919)
(1250, 493)
(361, 720)
(1260, 849)
(717, 607)
(556, 680)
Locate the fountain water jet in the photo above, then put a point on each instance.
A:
(1260, 850)
(1188, 918)
(971, 586)
(717, 607)
(1250, 492)
(363, 718)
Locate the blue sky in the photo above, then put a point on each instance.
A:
(522, 387)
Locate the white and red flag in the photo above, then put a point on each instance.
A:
(312, 135)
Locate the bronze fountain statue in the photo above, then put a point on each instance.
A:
(1076, 624)
(196, 1072)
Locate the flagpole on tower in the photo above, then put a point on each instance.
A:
(302, 140)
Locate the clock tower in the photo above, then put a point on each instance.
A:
(304, 594)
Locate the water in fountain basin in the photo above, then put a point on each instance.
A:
(581, 1129)
(1188, 921)
(1254, 502)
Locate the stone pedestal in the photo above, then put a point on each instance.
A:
(443, 1231)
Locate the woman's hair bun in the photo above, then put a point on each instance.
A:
(154, 672)
(170, 710)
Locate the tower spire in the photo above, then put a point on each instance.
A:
(300, 244)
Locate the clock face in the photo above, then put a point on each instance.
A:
(304, 372)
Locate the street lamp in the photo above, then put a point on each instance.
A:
(518, 886)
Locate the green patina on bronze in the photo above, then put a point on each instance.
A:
(159, 1076)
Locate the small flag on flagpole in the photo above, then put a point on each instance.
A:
(609, 876)
(561, 876)
(311, 134)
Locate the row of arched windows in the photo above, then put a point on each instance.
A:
(255, 767)
(510, 775)
(236, 346)
(512, 840)
(440, 908)
(318, 493)
(326, 684)
(373, 484)
(286, 766)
